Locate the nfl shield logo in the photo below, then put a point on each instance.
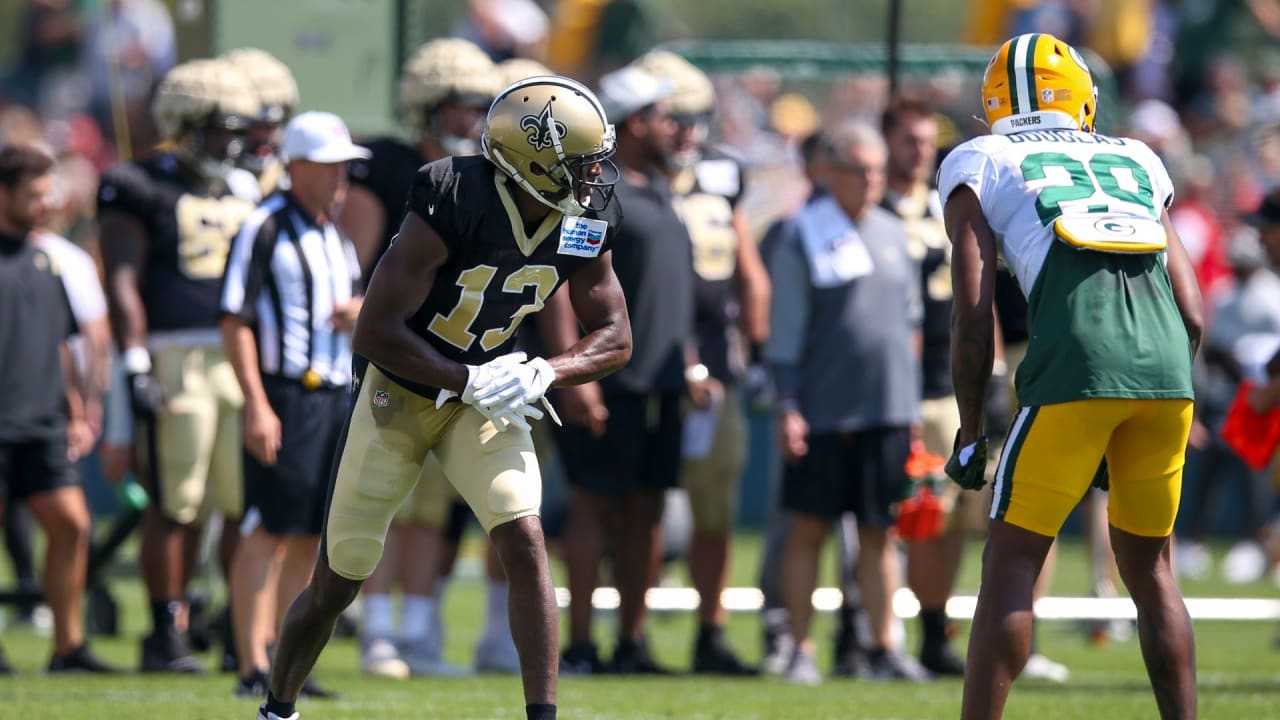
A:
(381, 398)
(1046, 96)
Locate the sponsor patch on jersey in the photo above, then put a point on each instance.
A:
(718, 177)
(581, 237)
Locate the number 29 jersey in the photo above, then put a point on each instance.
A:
(1027, 180)
(496, 273)
(1101, 324)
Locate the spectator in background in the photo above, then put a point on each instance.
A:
(911, 134)
(166, 225)
(445, 90)
(731, 324)
(845, 294)
(42, 421)
(505, 29)
(129, 46)
(621, 440)
(296, 393)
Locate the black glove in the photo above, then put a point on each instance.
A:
(146, 397)
(971, 472)
(1102, 478)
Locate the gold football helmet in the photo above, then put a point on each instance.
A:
(277, 90)
(1036, 81)
(549, 134)
(448, 70)
(203, 108)
(692, 100)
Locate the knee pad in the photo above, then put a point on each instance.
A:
(353, 558)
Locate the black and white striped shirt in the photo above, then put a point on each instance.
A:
(284, 276)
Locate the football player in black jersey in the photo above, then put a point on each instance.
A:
(278, 98)
(732, 314)
(445, 89)
(485, 241)
(166, 225)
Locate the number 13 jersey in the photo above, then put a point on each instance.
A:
(497, 273)
(1101, 324)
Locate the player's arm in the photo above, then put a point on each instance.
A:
(399, 286)
(601, 310)
(753, 284)
(1186, 289)
(973, 276)
(123, 240)
(363, 220)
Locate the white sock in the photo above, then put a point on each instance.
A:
(415, 617)
(496, 622)
(375, 616)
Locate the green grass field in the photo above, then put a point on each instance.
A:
(1239, 673)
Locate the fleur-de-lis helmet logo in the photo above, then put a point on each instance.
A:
(540, 128)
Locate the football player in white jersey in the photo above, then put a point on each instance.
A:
(1115, 317)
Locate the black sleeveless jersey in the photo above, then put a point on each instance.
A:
(704, 197)
(495, 275)
(929, 246)
(388, 173)
(189, 232)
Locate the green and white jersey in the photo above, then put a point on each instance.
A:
(1101, 324)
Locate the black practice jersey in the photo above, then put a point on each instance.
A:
(388, 173)
(929, 247)
(189, 232)
(704, 197)
(495, 274)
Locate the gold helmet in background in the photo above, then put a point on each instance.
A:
(272, 79)
(448, 70)
(549, 134)
(692, 100)
(202, 108)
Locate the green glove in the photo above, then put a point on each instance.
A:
(968, 465)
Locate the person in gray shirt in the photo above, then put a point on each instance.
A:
(845, 315)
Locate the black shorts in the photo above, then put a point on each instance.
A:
(862, 472)
(32, 467)
(640, 447)
(288, 498)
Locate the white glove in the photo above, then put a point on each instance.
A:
(479, 376)
(513, 385)
(514, 415)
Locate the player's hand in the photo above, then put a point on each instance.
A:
(702, 393)
(968, 463)
(80, 439)
(116, 461)
(583, 405)
(516, 384)
(261, 432)
(345, 314)
(795, 436)
(146, 397)
(516, 415)
(482, 376)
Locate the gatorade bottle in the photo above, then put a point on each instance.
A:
(131, 496)
(923, 515)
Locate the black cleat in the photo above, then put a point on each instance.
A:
(581, 659)
(718, 659)
(80, 660)
(312, 690)
(941, 660)
(169, 652)
(254, 686)
(633, 658)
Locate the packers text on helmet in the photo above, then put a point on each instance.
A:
(549, 134)
(1036, 81)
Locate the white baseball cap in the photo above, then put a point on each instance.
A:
(319, 137)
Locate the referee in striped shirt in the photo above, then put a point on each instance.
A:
(289, 303)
